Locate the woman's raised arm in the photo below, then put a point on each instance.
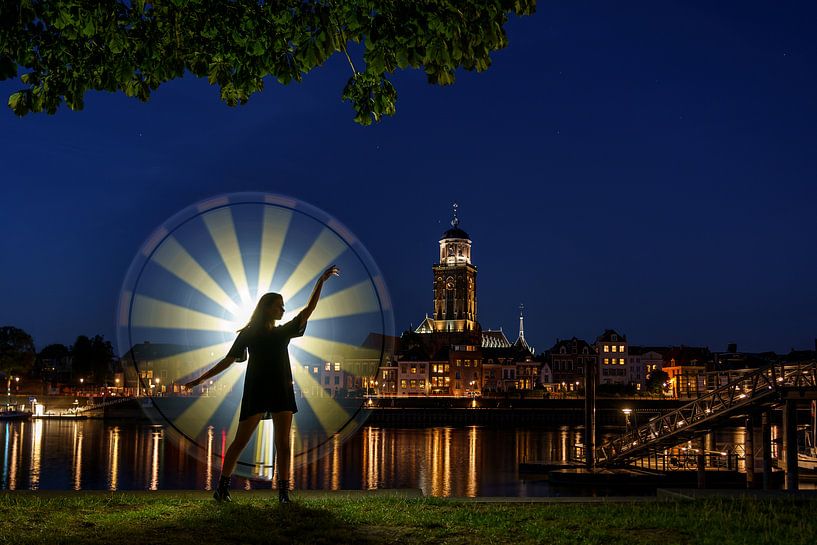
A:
(316, 293)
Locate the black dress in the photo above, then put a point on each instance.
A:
(268, 383)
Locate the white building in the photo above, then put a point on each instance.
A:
(613, 358)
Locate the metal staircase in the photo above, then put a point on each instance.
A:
(764, 387)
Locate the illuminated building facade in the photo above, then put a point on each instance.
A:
(568, 359)
(643, 360)
(611, 347)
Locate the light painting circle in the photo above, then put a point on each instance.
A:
(196, 281)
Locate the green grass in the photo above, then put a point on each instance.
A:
(124, 518)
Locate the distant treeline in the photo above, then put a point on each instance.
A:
(89, 360)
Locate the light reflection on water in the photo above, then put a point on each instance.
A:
(442, 461)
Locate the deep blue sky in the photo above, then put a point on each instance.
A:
(644, 166)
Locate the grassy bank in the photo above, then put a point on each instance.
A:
(124, 518)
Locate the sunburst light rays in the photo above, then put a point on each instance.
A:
(150, 312)
(198, 279)
(222, 230)
(357, 299)
(173, 257)
(184, 363)
(273, 233)
(201, 411)
(325, 249)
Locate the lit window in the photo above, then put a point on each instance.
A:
(413, 383)
(422, 384)
(615, 348)
(413, 369)
(315, 370)
(327, 366)
(606, 348)
(621, 348)
(403, 383)
(621, 361)
(468, 363)
(606, 361)
(337, 366)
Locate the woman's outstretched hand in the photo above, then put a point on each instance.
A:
(331, 271)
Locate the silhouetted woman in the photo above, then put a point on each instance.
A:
(268, 386)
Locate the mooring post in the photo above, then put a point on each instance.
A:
(790, 444)
(702, 464)
(749, 449)
(766, 431)
(590, 414)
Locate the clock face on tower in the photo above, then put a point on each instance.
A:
(449, 283)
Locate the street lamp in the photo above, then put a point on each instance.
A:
(627, 413)
(17, 384)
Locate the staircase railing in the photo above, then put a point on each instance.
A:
(755, 388)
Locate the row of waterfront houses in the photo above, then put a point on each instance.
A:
(496, 366)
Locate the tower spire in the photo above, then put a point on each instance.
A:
(455, 221)
(521, 321)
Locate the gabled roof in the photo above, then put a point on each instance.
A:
(494, 339)
(426, 326)
(607, 336)
(572, 346)
(522, 344)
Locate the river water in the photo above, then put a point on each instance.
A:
(442, 461)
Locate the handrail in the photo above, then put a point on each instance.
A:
(750, 389)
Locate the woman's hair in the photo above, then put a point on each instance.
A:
(258, 314)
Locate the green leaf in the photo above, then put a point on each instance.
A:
(117, 43)
(19, 102)
(89, 29)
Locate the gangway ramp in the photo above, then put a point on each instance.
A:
(760, 389)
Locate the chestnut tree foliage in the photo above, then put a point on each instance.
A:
(60, 49)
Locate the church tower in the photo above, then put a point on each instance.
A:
(455, 282)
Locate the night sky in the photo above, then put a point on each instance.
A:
(644, 166)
